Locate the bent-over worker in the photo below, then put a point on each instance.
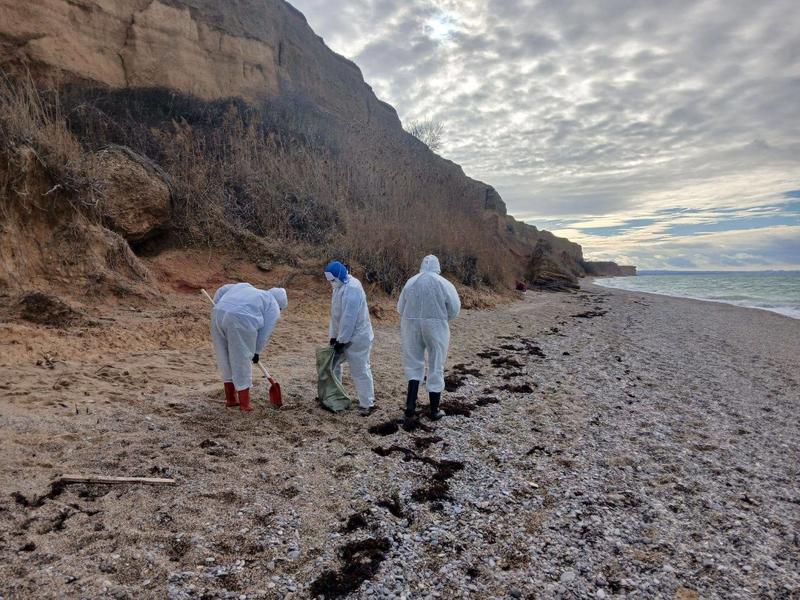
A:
(242, 322)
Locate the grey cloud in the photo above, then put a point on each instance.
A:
(590, 108)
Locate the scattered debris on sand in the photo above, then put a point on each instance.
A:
(361, 560)
(452, 382)
(486, 401)
(393, 505)
(423, 443)
(522, 388)
(456, 407)
(462, 369)
(537, 493)
(355, 522)
(507, 362)
(387, 428)
(590, 314)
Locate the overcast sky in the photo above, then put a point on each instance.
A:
(664, 134)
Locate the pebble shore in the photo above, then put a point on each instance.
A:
(598, 445)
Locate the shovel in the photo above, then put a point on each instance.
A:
(275, 396)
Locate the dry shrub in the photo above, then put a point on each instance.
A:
(33, 117)
(250, 178)
(46, 309)
(235, 168)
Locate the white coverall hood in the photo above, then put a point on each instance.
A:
(280, 297)
(430, 264)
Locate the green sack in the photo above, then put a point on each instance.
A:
(329, 389)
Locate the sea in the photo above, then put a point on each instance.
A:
(776, 291)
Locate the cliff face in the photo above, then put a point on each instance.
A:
(608, 269)
(258, 50)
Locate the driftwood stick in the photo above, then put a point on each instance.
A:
(114, 480)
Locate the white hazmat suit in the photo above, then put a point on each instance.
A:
(350, 324)
(427, 304)
(242, 321)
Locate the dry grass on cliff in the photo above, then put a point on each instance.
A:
(35, 119)
(270, 174)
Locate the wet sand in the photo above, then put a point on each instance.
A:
(607, 443)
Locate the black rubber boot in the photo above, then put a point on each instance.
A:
(436, 414)
(411, 398)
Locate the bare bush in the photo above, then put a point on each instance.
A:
(34, 118)
(428, 131)
(276, 176)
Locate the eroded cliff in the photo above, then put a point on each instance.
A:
(264, 51)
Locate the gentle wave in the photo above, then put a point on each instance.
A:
(774, 292)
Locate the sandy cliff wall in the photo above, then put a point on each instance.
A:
(608, 269)
(137, 43)
(257, 50)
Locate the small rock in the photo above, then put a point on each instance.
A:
(107, 567)
(567, 576)
(515, 593)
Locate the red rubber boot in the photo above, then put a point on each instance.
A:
(244, 400)
(230, 395)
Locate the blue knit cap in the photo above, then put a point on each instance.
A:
(338, 270)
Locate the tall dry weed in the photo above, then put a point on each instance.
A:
(273, 174)
(34, 118)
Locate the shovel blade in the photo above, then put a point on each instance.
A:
(275, 396)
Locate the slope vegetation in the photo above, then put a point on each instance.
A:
(268, 144)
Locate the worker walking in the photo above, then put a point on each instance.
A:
(242, 322)
(427, 304)
(350, 333)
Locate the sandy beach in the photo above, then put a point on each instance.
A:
(599, 444)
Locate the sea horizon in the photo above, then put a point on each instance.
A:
(710, 272)
(776, 291)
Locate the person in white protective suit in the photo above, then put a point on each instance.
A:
(242, 322)
(427, 304)
(350, 333)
